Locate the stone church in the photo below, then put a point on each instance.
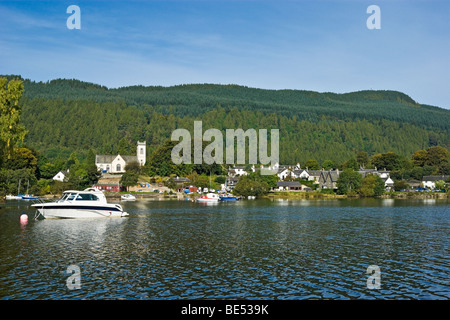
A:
(117, 163)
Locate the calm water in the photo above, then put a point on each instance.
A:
(257, 249)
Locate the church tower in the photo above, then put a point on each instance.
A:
(140, 152)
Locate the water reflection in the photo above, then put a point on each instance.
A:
(305, 249)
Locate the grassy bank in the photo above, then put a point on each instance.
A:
(304, 195)
(387, 195)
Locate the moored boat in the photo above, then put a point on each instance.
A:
(11, 197)
(228, 197)
(29, 197)
(209, 197)
(89, 203)
(128, 197)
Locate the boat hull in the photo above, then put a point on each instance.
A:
(207, 200)
(80, 212)
(11, 197)
(228, 199)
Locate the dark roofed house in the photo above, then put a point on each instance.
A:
(289, 186)
(178, 180)
(328, 179)
(110, 183)
(230, 183)
(430, 181)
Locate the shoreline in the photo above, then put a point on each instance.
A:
(276, 195)
(391, 195)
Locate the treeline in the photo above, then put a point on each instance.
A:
(63, 116)
(64, 123)
(58, 128)
(195, 99)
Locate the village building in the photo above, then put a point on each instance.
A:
(109, 183)
(288, 186)
(430, 181)
(61, 176)
(117, 163)
(237, 171)
(230, 183)
(328, 179)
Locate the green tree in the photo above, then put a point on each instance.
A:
(129, 179)
(249, 186)
(78, 178)
(124, 147)
(436, 156)
(328, 165)
(270, 179)
(47, 170)
(349, 181)
(220, 179)
(133, 166)
(444, 169)
(371, 186)
(92, 174)
(312, 165)
(73, 160)
(419, 157)
(400, 185)
(389, 161)
(362, 158)
(351, 164)
(22, 158)
(439, 185)
(11, 130)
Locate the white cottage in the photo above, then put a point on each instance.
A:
(117, 164)
(61, 176)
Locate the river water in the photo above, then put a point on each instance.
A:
(250, 249)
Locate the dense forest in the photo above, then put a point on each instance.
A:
(63, 124)
(65, 116)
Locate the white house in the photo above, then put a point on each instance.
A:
(117, 164)
(237, 171)
(430, 181)
(388, 183)
(61, 176)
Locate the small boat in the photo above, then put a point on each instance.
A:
(11, 197)
(228, 197)
(89, 203)
(29, 197)
(209, 197)
(128, 196)
(251, 197)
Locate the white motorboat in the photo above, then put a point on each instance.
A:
(11, 197)
(127, 197)
(209, 197)
(89, 203)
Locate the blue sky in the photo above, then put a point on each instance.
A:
(316, 45)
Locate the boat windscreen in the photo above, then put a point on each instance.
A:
(87, 197)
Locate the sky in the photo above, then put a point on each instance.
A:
(319, 45)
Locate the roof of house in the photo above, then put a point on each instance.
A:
(435, 178)
(333, 176)
(115, 180)
(288, 184)
(181, 180)
(109, 158)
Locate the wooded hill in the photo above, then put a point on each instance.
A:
(65, 116)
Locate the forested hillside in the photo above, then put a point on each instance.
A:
(65, 116)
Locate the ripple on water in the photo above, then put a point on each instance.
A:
(257, 250)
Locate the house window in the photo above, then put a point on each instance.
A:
(118, 167)
(142, 150)
(107, 167)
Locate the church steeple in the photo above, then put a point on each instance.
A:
(140, 152)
